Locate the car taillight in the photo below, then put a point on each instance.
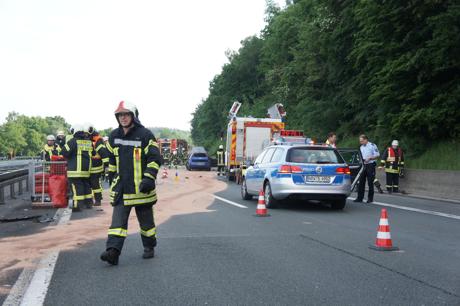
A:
(290, 169)
(343, 170)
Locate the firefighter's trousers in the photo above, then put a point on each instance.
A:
(221, 170)
(81, 191)
(392, 182)
(118, 231)
(95, 180)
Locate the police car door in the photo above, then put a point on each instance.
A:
(354, 160)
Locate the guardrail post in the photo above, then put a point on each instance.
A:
(2, 195)
(12, 191)
(20, 186)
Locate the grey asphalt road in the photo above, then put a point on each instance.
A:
(304, 254)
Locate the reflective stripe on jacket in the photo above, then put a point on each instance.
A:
(220, 158)
(100, 155)
(392, 160)
(49, 151)
(78, 151)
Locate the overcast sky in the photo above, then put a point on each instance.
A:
(79, 58)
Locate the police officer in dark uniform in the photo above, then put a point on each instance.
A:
(134, 161)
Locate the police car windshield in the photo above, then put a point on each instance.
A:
(313, 156)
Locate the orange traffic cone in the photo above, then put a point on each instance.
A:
(165, 173)
(383, 241)
(261, 210)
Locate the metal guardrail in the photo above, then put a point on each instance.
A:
(12, 179)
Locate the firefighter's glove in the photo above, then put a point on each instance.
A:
(111, 176)
(401, 173)
(146, 185)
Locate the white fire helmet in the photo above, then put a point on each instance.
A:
(50, 138)
(395, 143)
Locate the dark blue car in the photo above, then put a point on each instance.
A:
(198, 160)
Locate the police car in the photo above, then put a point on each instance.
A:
(303, 172)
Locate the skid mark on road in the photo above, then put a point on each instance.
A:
(422, 211)
(380, 266)
(230, 202)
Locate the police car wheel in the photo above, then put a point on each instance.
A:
(270, 201)
(244, 191)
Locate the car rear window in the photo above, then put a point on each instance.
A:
(314, 156)
(200, 155)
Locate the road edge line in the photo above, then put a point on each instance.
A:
(29, 276)
(230, 202)
(422, 211)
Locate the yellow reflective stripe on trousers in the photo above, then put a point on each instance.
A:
(149, 233)
(153, 165)
(149, 176)
(112, 168)
(98, 169)
(131, 196)
(78, 174)
(118, 232)
(99, 190)
(137, 166)
(75, 196)
(140, 201)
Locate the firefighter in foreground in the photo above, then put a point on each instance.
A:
(78, 151)
(99, 159)
(134, 163)
(393, 161)
(50, 149)
(220, 161)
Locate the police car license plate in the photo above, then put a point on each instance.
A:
(318, 179)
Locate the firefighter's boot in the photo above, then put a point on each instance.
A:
(148, 253)
(97, 203)
(111, 256)
(89, 203)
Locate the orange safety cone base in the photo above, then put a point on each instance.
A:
(379, 248)
(265, 215)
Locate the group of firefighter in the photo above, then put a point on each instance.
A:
(87, 159)
(132, 158)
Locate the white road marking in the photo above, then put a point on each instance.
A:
(32, 284)
(36, 292)
(308, 223)
(423, 211)
(230, 202)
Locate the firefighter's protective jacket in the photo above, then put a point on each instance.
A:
(49, 151)
(78, 151)
(220, 158)
(100, 154)
(133, 158)
(393, 160)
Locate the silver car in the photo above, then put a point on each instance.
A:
(305, 172)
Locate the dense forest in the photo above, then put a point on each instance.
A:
(390, 69)
(25, 136)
